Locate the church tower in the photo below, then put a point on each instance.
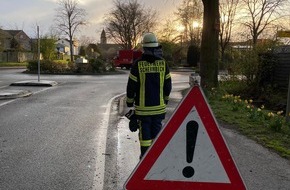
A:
(103, 37)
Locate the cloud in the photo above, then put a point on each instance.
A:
(25, 14)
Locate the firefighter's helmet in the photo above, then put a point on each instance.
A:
(149, 40)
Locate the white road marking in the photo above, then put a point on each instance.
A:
(3, 86)
(10, 101)
(101, 138)
(3, 104)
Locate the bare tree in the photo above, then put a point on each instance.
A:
(261, 14)
(69, 17)
(190, 13)
(85, 40)
(168, 31)
(227, 15)
(126, 23)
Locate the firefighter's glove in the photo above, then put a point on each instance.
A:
(133, 123)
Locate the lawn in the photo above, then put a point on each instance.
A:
(13, 64)
(266, 127)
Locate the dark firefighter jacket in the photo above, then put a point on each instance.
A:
(149, 86)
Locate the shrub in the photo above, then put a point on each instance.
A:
(99, 65)
(47, 66)
(193, 55)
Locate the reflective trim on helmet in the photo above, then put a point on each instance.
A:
(149, 40)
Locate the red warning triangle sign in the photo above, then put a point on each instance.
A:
(189, 153)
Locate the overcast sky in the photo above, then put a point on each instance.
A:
(27, 14)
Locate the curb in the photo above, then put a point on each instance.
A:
(121, 104)
(35, 83)
(11, 67)
(123, 109)
(12, 94)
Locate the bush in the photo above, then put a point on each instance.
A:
(47, 66)
(193, 55)
(99, 66)
(94, 66)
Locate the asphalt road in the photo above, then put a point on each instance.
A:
(74, 136)
(57, 137)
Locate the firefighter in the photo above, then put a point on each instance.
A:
(148, 89)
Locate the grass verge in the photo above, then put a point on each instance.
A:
(253, 123)
(13, 64)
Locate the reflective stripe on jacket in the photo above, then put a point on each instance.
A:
(149, 86)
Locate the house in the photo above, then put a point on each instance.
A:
(63, 46)
(3, 41)
(15, 46)
(246, 45)
(12, 40)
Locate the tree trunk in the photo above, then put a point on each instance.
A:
(71, 52)
(209, 44)
(71, 47)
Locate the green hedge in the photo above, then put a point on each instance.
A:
(48, 66)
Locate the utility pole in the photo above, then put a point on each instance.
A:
(38, 53)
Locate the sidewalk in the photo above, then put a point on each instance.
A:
(260, 168)
(127, 160)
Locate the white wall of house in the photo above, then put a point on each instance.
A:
(64, 47)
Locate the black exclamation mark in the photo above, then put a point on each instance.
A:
(191, 134)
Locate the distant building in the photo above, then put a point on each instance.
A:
(63, 47)
(12, 40)
(107, 51)
(103, 37)
(246, 45)
(283, 37)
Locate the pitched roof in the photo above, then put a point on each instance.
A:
(13, 32)
(5, 34)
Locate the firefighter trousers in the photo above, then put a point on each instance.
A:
(150, 126)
